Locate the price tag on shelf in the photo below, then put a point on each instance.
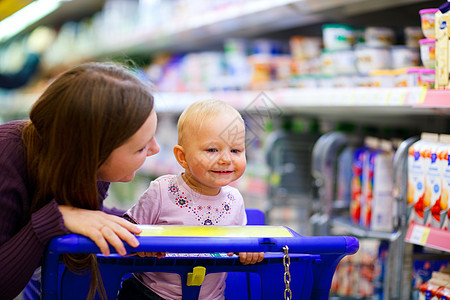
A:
(371, 98)
(384, 96)
(397, 96)
(422, 95)
(413, 96)
(359, 97)
(419, 235)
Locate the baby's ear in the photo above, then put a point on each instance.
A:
(178, 151)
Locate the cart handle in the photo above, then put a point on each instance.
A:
(74, 243)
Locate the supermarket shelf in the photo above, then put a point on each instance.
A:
(428, 236)
(361, 101)
(371, 100)
(190, 32)
(346, 225)
(251, 18)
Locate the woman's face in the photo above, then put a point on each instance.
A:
(123, 162)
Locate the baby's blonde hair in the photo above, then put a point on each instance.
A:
(197, 113)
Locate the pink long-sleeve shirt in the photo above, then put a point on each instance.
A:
(170, 201)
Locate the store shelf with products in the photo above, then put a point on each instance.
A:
(398, 107)
(188, 32)
(377, 213)
(124, 29)
(335, 103)
(144, 27)
(195, 29)
(182, 30)
(358, 102)
(408, 100)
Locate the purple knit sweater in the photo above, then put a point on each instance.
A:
(23, 236)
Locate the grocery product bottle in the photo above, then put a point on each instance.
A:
(356, 188)
(442, 19)
(367, 183)
(417, 196)
(443, 157)
(382, 195)
(433, 185)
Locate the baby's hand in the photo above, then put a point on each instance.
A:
(249, 257)
(151, 254)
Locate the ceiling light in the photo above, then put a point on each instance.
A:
(25, 17)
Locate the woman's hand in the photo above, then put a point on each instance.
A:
(249, 257)
(101, 228)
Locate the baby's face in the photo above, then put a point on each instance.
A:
(215, 154)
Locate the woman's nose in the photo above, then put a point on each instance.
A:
(153, 149)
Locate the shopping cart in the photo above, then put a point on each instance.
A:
(308, 263)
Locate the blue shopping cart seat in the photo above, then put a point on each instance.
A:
(249, 282)
(246, 285)
(255, 216)
(312, 263)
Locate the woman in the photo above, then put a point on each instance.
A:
(94, 124)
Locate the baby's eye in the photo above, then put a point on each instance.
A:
(211, 150)
(235, 151)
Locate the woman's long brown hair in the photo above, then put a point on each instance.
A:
(81, 117)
